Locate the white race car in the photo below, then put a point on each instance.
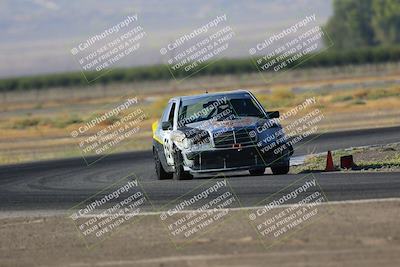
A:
(218, 132)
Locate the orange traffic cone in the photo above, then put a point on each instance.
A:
(329, 163)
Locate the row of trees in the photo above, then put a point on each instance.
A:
(224, 66)
(362, 23)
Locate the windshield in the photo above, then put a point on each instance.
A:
(219, 107)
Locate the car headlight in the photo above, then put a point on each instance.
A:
(178, 138)
(186, 143)
(191, 138)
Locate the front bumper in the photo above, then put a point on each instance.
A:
(233, 159)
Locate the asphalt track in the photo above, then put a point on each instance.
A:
(61, 184)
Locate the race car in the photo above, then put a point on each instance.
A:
(218, 132)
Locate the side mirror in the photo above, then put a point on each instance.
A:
(273, 114)
(166, 125)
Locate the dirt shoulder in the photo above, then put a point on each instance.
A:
(347, 234)
(374, 158)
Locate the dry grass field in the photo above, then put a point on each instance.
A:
(37, 124)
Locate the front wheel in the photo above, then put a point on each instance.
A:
(281, 169)
(179, 173)
(160, 172)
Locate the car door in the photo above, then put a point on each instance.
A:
(166, 134)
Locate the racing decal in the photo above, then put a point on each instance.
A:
(155, 130)
(168, 148)
(164, 138)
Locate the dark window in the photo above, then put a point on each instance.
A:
(171, 114)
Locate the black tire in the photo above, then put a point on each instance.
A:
(280, 169)
(179, 173)
(160, 172)
(257, 172)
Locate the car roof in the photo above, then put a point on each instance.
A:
(193, 97)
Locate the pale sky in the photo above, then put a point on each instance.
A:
(37, 35)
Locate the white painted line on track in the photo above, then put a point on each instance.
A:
(361, 201)
(48, 213)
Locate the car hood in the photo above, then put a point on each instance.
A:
(226, 125)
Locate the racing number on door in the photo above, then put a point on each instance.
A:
(168, 145)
